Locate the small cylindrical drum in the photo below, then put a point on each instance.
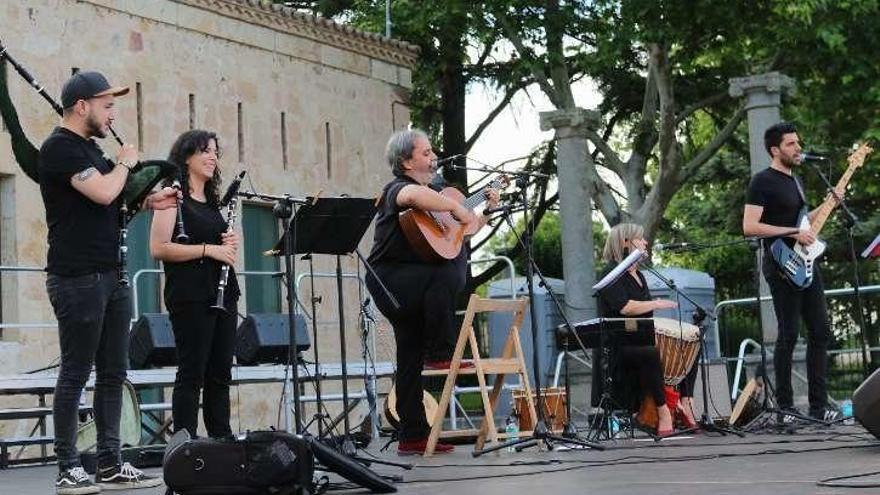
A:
(554, 408)
(679, 345)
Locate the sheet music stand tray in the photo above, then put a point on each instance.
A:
(329, 225)
(873, 249)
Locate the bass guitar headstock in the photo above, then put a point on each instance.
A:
(857, 158)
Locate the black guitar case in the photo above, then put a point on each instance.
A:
(259, 462)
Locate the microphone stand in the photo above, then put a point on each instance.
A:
(755, 243)
(850, 220)
(705, 422)
(540, 433)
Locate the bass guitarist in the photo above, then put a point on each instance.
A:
(424, 324)
(774, 205)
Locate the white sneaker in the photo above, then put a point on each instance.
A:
(75, 481)
(124, 477)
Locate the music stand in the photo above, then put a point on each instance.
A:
(333, 226)
(307, 232)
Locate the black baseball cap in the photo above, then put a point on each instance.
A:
(85, 85)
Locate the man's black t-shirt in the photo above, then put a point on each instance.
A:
(198, 280)
(83, 235)
(389, 242)
(780, 197)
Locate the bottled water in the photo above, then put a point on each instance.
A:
(613, 426)
(846, 409)
(512, 431)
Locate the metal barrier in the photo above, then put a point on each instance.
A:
(31, 269)
(746, 343)
(135, 309)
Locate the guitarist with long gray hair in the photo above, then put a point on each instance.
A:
(424, 328)
(775, 206)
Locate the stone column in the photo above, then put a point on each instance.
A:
(575, 210)
(763, 94)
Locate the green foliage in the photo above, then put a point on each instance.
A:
(547, 244)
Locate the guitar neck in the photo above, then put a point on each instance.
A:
(479, 197)
(824, 211)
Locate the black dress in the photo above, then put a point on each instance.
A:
(635, 370)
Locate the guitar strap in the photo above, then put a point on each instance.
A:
(804, 209)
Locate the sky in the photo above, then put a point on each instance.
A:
(516, 131)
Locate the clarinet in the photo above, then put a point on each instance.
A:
(230, 199)
(181, 237)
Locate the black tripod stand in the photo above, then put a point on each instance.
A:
(541, 434)
(335, 226)
(850, 220)
(705, 423)
(353, 469)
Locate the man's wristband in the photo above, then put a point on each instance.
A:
(127, 164)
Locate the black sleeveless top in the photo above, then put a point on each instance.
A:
(197, 281)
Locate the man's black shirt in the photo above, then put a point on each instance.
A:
(778, 194)
(83, 235)
(389, 243)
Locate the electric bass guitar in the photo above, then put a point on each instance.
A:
(797, 263)
(436, 235)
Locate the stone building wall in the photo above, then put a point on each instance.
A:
(233, 66)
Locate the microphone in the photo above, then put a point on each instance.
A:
(813, 157)
(500, 208)
(439, 162)
(233, 189)
(670, 247)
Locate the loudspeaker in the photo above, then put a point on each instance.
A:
(264, 338)
(866, 403)
(719, 393)
(151, 342)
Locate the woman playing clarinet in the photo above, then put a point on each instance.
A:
(204, 335)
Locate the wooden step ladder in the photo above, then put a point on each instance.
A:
(511, 361)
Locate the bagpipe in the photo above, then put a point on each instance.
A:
(139, 184)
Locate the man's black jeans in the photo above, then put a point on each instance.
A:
(93, 314)
(791, 305)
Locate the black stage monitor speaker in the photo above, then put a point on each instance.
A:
(151, 342)
(866, 403)
(264, 338)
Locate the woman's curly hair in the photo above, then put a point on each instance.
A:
(188, 144)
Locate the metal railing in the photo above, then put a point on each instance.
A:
(31, 269)
(751, 343)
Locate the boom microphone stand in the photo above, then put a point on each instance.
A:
(768, 409)
(283, 210)
(850, 221)
(541, 434)
(705, 422)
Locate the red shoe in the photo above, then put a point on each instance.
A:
(417, 447)
(681, 415)
(447, 364)
(664, 433)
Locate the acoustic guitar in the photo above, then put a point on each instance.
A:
(437, 235)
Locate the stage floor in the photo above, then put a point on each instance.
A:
(703, 464)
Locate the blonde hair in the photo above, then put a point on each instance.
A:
(617, 237)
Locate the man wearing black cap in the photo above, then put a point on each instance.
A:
(80, 187)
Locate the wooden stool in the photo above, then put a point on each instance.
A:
(511, 361)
